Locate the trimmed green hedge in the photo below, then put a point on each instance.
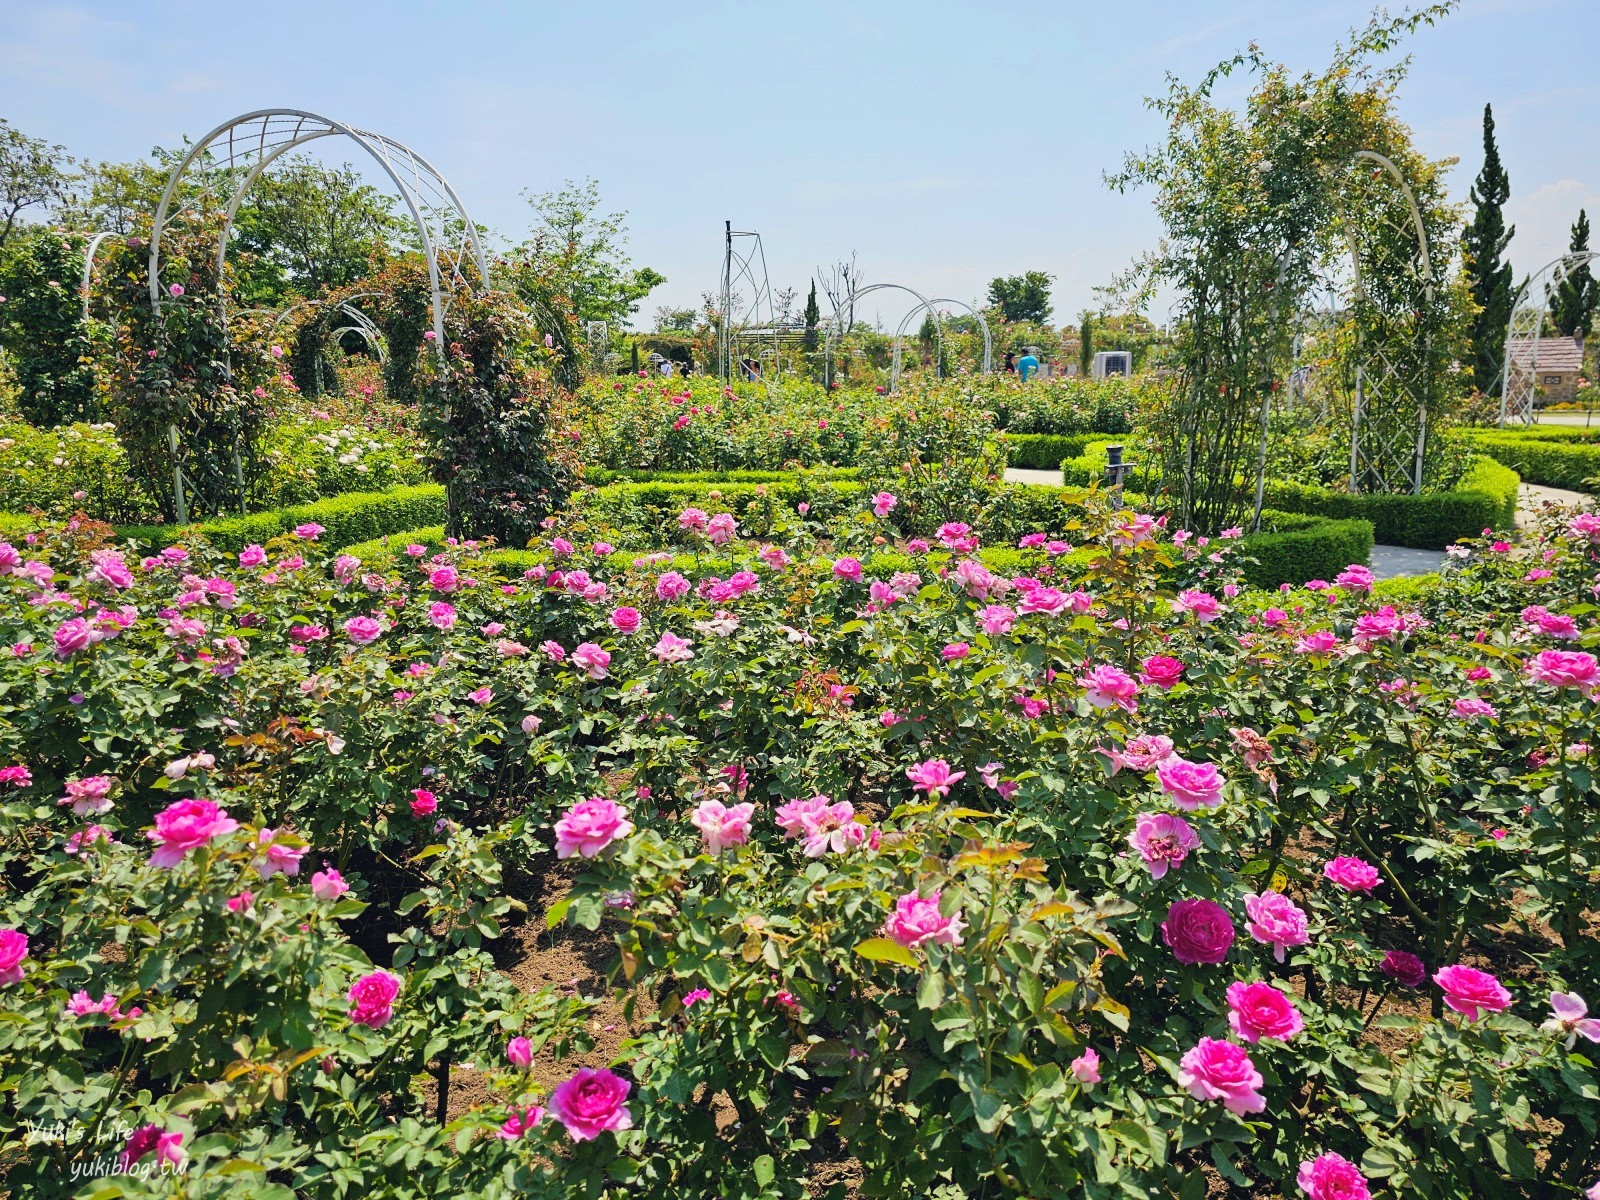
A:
(352, 517)
(1564, 463)
(1542, 433)
(1044, 451)
(1486, 498)
(604, 476)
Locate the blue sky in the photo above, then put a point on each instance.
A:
(944, 143)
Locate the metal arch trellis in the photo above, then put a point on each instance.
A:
(249, 144)
(905, 323)
(739, 268)
(88, 267)
(848, 303)
(1389, 411)
(1520, 368)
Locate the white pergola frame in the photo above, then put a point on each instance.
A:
(1381, 444)
(254, 141)
(88, 267)
(836, 330)
(905, 324)
(1520, 373)
(737, 268)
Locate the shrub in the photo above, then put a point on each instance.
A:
(1566, 463)
(352, 517)
(68, 469)
(1045, 451)
(1485, 498)
(42, 328)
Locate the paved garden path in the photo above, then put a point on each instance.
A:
(1533, 495)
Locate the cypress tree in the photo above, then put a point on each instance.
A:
(813, 318)
(1086, 346)
(1484, 243)
(1572, 307)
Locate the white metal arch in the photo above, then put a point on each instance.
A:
(1520, 368)
(848, 304)
(1384, 445)
(252, 142)
(905, 324)
(88, 267)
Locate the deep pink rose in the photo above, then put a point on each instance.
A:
(372, 999)
(1331, 1177)
(13, 949)
(1258, 1010)
(592, 1102)
(1564, 668)
(1217, 1070)
(1352, 874)
(168, 1147)
(184, 826)
(625, 619)
(1404, 968)
(1275, 920)
(1471, 992)
(1199, 931)
(1162, 671)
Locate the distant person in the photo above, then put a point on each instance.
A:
(1010, 364)
(666, 367)
(1027, 365)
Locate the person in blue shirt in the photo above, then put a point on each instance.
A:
(1027, 365)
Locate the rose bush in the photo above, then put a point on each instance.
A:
(1033, 918)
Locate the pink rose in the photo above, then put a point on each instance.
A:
(517, 1124)
(273, 857)
(1471, 992)
(955, 650)
(1107, 686)
(997, 619)
(934, 777)
(1162, 671)
(168, 1147)
(671, 585)
(1258, 1010)
(328, 885)
(1199, 931)
(309, 532)
(89, 797)
(442, 615)
(1216, 1070)
(1275, 920)
(591, 1103)
(1163, 841)
(592, 659)
(848, 569)
(825, 827)
(372, 999)
(519, 1052)
(13, 949)
(721, 826)
(1553, 668)
(625, 619)
(73, 635)
(691, 519)
(883, 504)
(363, 631)
(721, 529)
(589, 826)
(1203, 605)
(672, 649)
(1191, 785)
(917, 919)
(184, 826)
(1086, 1068)
(1352, 874)
(423, 802)
(1332, 1177)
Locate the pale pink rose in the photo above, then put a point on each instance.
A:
(1107, 686)
(13, 949)
(530, 724)
(589, 826)
(791, 816)
(1086, 1068)
(996, 620)
(552, 650)
(830, 827)
(89, 797)
(883, 504)
(1191, 785)
(1570, 1015)
(722, 826)
(481, 696)
(363, 631)
(934, 777)
(1330, 1176)
(1258, 1010)
(673, 649)
(1352, 874)
(1275, 920)
(1143, 753)
(691, 518)
(917, 919)
(1217, 1070)
(1471, 992)
(592, 1102)
(184, 826)
(328, 885)
(671, 586)
(625, 620)
(1163, 841)
(372, 999)
(592, 659)
(848, 569)
(273, 857)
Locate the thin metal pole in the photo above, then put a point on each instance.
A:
(177, 476)
(1355, 432)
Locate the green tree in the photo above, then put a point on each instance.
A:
(581, 251)
(1086, 344)
(1572, 307)
(1489, 277)
(813, 318)
(1022, 297)
(311, 227)
(33, 174)
(676, 320)
(42, 329)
